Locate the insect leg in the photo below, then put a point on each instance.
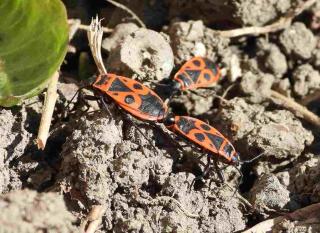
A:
(105, 106)
(75, 94)
(220, 173)
(138, 128)
(204, 173)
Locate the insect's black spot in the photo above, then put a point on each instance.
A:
(137, 86)
(214, 70)
(186, 124)
(118, 86)
(129, 99)
(152, 105)
(199, 136)
(194, 75)
(205, 127)
(196, 63)
(207, 76)
(228, 149)
(216, 140)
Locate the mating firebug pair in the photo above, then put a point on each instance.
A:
(144, 104)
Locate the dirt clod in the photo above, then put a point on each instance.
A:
(272, 59)
(144, 52)
(192, 38)
(306, 80)
(269, 195)
(304, 179)
(121, 31)
(109, 162)
(27, 212)
(257, 13)
(298, 40)
(257, 86)
(86, 161)
(277, 132)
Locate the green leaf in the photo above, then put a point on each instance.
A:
(33, 44)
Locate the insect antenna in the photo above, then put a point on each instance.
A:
(253, 159)
(211, 94)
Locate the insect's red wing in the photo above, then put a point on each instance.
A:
(205, 136)
(197, 72)
(132, 96)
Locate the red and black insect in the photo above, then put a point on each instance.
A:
(132, 96)
(204, 136)
(196, 73)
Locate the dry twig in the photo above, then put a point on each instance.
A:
(86, 27)
(48, 108)
(94, 218)
(296, 108)
(308, 212)
(282, 23)
(123, 7)
(50, 101)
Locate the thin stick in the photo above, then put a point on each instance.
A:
(94, 218)
(50, 102)
(47, 112)
(282, 23)
(87, 27)
(296, 108)
(305, 213)
(73, 27)
(123, 7)
(265, 226)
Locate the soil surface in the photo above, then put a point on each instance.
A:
(141, 173)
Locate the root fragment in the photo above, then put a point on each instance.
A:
(94, 218)
(296, 108)
(282, 23)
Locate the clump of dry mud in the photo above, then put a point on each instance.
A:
(135, 169)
